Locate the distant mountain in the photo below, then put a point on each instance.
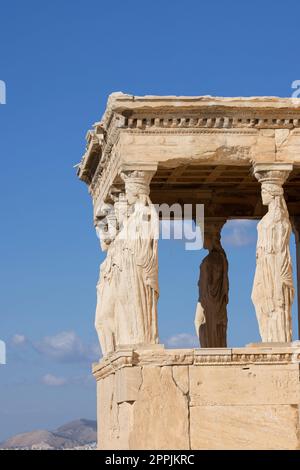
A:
(79, 433)
(82, 430)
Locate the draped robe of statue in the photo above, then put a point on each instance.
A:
(109, 279)
(136, 315)
(273, 290)
(213, 298)
(105, 309)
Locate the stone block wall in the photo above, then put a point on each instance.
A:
(242, 398)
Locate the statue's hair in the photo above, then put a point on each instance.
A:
(272, 188)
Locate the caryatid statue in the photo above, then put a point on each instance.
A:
(106, 227)
(273, 290)
(127, 291)
(109, 222)
(211, 312)
(138, 289)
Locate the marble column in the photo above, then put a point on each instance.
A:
(211, 311)
(296, 229)
(273, 290)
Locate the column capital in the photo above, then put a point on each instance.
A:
(276, 173)
(137, 179)
(138, 166)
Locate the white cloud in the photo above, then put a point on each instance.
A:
(18, 339)
(239, 232)
(53, 381)
(183, 340)
(66, 346)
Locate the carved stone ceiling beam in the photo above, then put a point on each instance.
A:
(176, 173)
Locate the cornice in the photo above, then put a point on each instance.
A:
(155, 115)
(121, 103)
(159, 357)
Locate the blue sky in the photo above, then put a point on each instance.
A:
(60, 60)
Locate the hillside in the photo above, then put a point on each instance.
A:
(81, 432)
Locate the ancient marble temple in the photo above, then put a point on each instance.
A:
(240, 158)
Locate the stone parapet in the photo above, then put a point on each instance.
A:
(231, 398)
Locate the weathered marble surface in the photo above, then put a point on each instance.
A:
(240, 398)
(201, 150)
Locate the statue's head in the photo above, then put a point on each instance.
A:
(273, 197)
(212, 240)
(133, 194)
(208, 241)
(137, 185)
(105, 224)
(121, 209)
(212, 233)
(270, 191)
(272, 178)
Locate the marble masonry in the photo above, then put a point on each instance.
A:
(240, 158)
